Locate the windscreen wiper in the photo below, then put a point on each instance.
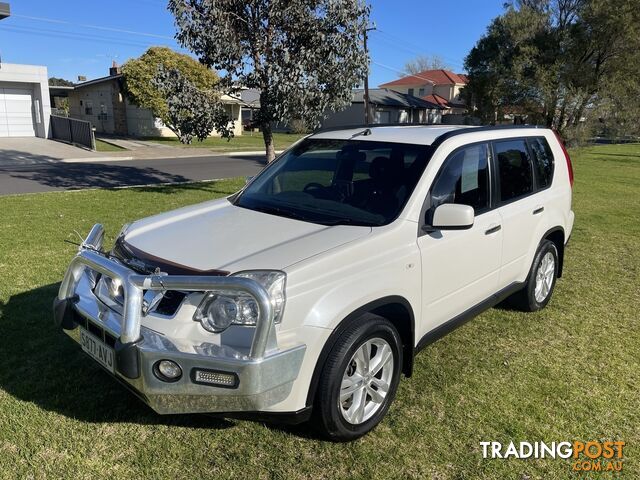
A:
(347, 221)
(280, 212)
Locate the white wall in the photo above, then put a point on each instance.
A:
(36, 78)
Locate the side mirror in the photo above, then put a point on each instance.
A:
(451, 216)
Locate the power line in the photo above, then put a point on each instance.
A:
(404, 74)
(402, 44)
(76, 37)
(414, 46)
(95, 27)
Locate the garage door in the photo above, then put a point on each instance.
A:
(16, 113)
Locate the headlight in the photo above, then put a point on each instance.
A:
(220, 309)
(124, 230)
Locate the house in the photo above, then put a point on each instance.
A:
(24, 97)
(103, 102)
(250, 98)
(386, 106)
(441, 87)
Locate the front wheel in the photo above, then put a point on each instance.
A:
(541, 280)
(359, 379)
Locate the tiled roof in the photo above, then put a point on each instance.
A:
(442, 102)
(434, 77)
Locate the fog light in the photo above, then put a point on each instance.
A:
(215, 378)
(167, 370)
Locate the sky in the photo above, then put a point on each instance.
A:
(73, 37)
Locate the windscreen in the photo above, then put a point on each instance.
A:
(339, 182)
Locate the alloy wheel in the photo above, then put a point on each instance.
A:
(544, 277)
(366, 381)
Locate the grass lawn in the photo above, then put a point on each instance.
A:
(107, 147)
(246, 141)
(569, 372)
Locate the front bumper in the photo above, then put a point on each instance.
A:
(264, 373)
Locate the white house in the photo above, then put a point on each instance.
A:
(24, 101)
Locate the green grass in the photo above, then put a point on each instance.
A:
(569, 372)
(246, 141)
(102, 146)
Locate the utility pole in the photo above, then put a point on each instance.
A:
(367, 113)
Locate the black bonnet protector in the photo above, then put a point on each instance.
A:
(145, 263)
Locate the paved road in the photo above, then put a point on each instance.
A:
(52, 175)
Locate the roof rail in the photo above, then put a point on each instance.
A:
(376, 125)
(484, 128)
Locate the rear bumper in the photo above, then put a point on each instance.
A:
(264, 375)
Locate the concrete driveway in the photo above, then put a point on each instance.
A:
(38, 151)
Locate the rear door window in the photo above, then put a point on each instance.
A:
(542, 161)
(515, 172)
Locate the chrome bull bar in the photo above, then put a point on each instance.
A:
(134, 284)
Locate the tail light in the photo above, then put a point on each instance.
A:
(567, 158)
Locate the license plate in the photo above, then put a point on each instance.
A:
(96, 348)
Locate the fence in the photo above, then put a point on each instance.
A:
(74, 131)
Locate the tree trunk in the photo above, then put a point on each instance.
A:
(267, 135)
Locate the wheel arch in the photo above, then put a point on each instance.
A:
(394, 308)
(556, 236)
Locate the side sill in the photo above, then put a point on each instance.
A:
(459, 320)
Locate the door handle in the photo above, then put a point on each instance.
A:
(538, 210)
(493, 229)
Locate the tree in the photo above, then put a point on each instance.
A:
(424, 62)
(304, 56)
(60, 82)
(555, 60)
(191, 111)
(143, 84)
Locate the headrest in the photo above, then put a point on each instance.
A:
(386, 168)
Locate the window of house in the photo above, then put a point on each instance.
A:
(88, 107)
(421, 92)
(383, 116)
(464, 179)
(103, 108)
(542, 161)
(411, 90)
(514, 169)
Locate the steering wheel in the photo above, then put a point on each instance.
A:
(312, 186)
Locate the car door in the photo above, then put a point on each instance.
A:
(519, 205)
(460, 267)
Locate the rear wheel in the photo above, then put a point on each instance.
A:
(541, 280)
(359, 379)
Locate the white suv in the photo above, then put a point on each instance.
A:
(312, 289)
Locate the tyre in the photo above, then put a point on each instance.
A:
(359, 379)
(541, 280)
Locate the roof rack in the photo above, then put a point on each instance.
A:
(376, 125)
(484, 128)
(440, 138)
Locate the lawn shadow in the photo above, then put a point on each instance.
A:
(39, 364)
(211, 186)
(506, 306)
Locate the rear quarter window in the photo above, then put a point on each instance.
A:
(543, 163)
